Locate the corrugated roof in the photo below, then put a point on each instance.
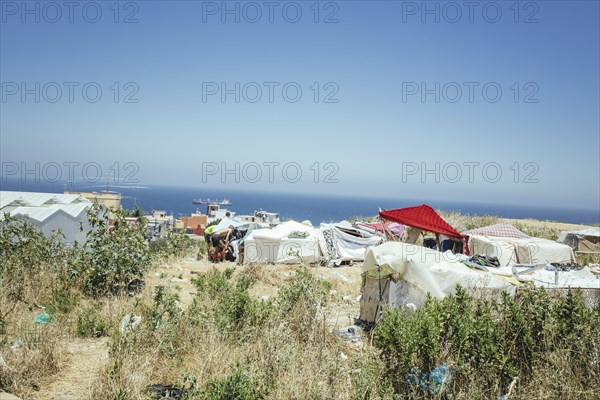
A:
(72, 209)
(38, 213)
(34, 199)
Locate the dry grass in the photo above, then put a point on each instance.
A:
(291, 354)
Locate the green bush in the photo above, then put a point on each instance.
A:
(62, 301)
(164, 308)
(234, 311)
(90, 322)
(490, 342)
(174, 244)
(241, 384)
(112, 256)
(27, 255)
(305, 288)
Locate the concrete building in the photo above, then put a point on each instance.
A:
(159, 222)
(111, 200)
(196, 223)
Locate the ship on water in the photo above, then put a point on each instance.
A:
(223, 202)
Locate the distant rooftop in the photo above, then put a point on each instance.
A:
(35, 199)
(40, 206)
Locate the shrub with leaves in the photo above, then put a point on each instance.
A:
(234, 312)
(26, 256)
(114, 254)
(90, 323)
(174, 244)
(488, 343)
(241, 384)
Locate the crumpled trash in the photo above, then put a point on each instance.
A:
(43, 318)
(17, 345)
(343, 356)
(349, 334)
(190, 260)
(433, 382)
(340, 276)
(129, 323)
(298, 235)
(165, 392)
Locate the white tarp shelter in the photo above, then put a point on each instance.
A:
(397, 274)
(346, 243)
(226, 222)
(583, 241)
(521, 251)
(512, 246)
(288, 243)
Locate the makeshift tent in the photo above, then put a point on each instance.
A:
(346, 243)
(498, 230)
(422, 217)
(516, 247)
(398, 274)
(289, 243)
(396, 229)
(583, 241)
(236, 223)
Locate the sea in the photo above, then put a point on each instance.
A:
(177, 201)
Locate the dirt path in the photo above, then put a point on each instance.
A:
(86, 359)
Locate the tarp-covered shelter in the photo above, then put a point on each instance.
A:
(397, 274)
(344, 242)
(236, 223)
(498, 230)
(288, 243)
(422, 217)
(396, 229)
(582, 241)
(512, 246)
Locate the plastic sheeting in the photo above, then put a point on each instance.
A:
(276, 246)
(227, 222)
(345, 246)
(407, 273)
(498, 230)
(524, 251)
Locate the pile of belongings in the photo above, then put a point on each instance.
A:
(486, 261)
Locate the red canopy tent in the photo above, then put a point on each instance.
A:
(422, 217)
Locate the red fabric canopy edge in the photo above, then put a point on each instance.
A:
(423, 217)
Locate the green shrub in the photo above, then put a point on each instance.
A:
(305, 288)
(62, 301)
(90, 322)
(234, 311)
(26, 257)
(164, 308)
(112, 256)
(174, 244)
(241, 384)
(488, 343)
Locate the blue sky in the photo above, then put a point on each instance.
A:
(372, 57)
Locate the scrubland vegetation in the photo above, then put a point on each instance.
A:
(226, 342)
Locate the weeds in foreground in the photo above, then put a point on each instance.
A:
(487, 344)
